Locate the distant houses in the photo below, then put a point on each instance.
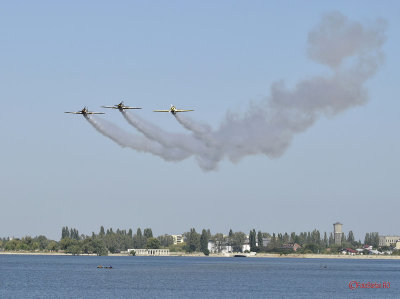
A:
(225, 247)
(367, 249)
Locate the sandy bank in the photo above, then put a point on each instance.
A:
(32, 253)
(329, 256)
(259, 255)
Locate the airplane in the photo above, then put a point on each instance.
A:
(120, 106)
(85, 112)
(173, 110)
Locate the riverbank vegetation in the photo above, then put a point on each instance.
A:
(110, 241)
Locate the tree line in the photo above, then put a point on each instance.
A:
(106, 241)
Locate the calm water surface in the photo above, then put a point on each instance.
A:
(187, 277)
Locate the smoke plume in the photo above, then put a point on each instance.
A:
(351, 51)
(135, 142)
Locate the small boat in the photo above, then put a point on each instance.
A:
(104, 267)
(240, 255)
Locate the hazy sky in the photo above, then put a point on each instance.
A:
(214, 57)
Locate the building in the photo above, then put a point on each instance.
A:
(388, 240)
(398, 245)
(151, 252)
(177, 239)
(349, 251)
(337, 231)
(219, 247)
(246, 246)
(225, 247)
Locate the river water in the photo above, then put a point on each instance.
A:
(28, 276)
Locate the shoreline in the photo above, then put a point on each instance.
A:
(258, 255)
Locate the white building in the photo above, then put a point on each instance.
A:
(151, 252)
(177, 239)
(213, 247)
(388, 240)
(398, 245)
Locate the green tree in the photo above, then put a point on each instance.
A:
(374, 240)
(367, 239)
(87, 246)
(343, 238)
(310, 248)
(178, 247)
(315, 237)
(209, 234)
(65, 232)
(52, 246)
(335, 248)
(11, 245)
(238, 240)
(98, 247)
(148, 233)
(34, 246)
(274, 243)
(73, 234)
(65, 243)
(138, 239)
(331, 239)
(350, 238)
(27, 243)
(325, 241)
(166, 240)
(153, 243)
(252, 240)
(193, 241)
(102, 233)
(42, 241)
(286, 238)
(260, 239)
(204, 241)
(74, 249)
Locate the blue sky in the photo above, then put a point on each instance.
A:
(213, 57)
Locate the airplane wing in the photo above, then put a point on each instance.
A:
(131, 108)
(183, 110)
(74, 112)
(161, 110)
(112, 107)
(95, 113)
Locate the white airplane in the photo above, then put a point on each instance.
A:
(85, 111)
(120, 106)
(173, 110)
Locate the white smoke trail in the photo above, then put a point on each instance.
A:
(352, 52)
(199, 129)
(135, 142)
(188, 144)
